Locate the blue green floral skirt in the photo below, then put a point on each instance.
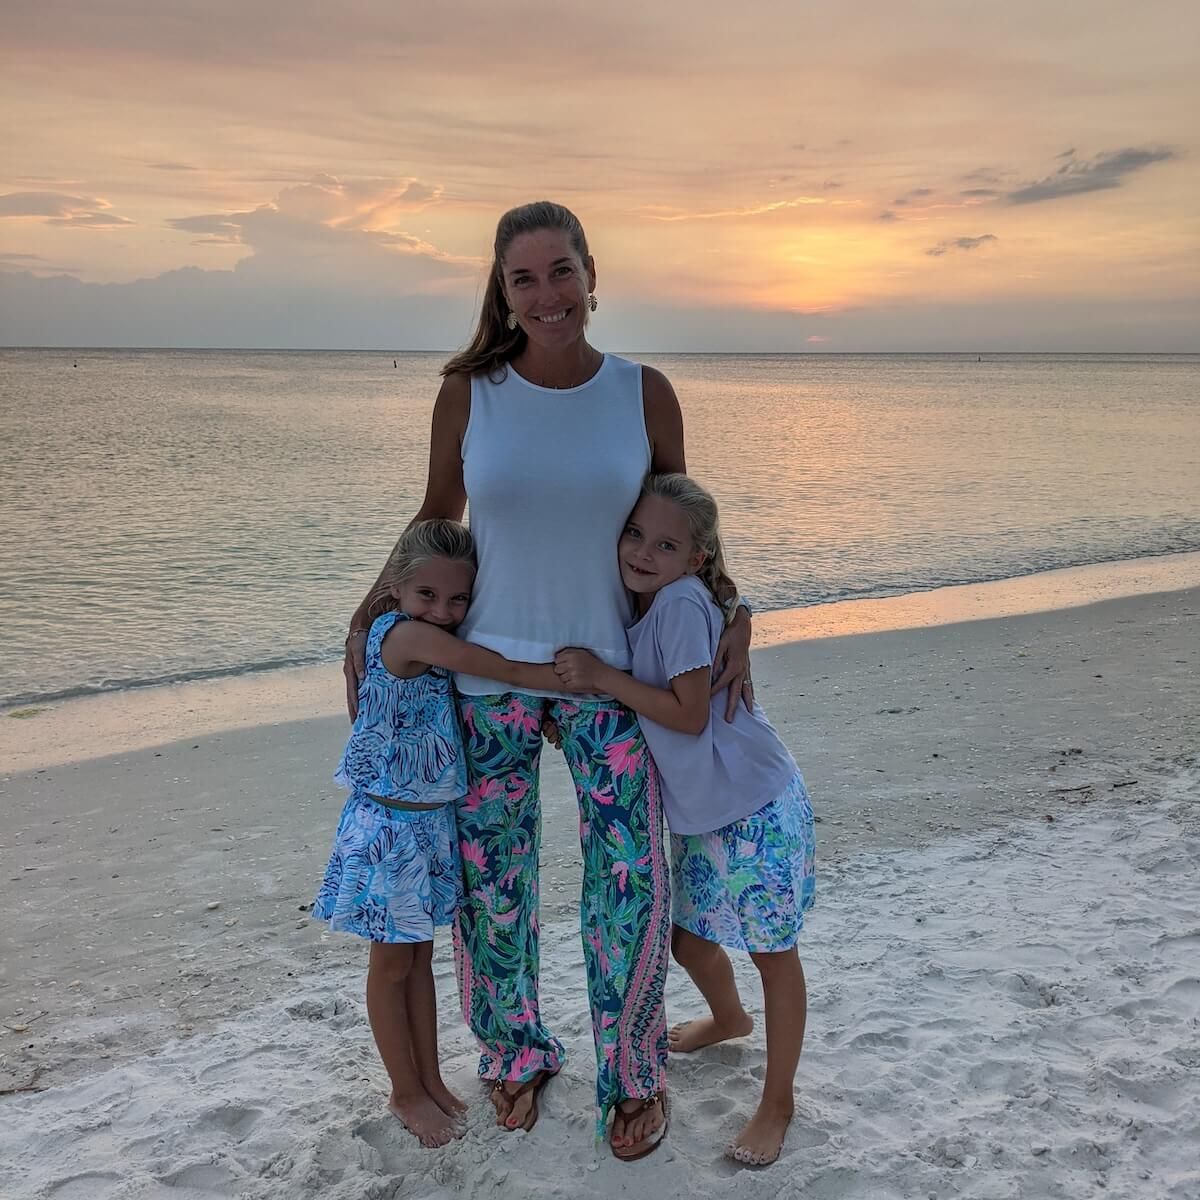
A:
(748, 884)
(394, 873)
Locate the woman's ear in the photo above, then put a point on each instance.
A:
(590, 272)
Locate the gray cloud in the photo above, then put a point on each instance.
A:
(172, 166)
(983, 175)
(1078, 176)
(93, 220)
(222, 228)
(887, 215)
(962, 243)
(58, 208)
(45, 204)
(913, 194)
(980, 193)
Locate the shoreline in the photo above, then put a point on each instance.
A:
(124, 721)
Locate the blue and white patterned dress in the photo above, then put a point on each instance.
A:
(395, 872)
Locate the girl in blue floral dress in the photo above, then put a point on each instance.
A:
(742, 846)
(396, 871)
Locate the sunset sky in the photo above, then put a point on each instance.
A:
(765, 175)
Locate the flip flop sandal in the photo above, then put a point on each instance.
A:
(534, 1085)
(650, 1144)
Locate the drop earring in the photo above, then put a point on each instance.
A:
(511, 322)
(592, 302)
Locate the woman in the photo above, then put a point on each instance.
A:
(550, 440)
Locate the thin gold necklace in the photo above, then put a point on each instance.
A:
(591, 369)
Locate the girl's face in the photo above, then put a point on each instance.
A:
(438, 591)
(656, 547)
(547, 285)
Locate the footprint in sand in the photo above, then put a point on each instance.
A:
(229, 1119)
(93, 1185)
(383, 1136)
(207, 1179)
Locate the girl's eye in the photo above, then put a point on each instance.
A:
(666, 546)
(630, 531)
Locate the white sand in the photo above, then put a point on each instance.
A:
(1002, 1005)
(1005, 1014)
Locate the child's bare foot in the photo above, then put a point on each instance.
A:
(424, 1119)
(759, 1144)
(445, 1099)
(706, 1031)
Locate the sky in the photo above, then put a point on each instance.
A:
(771, 175)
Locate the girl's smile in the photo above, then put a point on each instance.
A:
(437, 592)
(656, 548)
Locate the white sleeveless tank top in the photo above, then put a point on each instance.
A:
(551, 475)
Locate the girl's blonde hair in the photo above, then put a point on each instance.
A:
(704, 527)
(417, 545)
(494, 345)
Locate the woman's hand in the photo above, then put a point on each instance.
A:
(732, 667)
(354, 667)
(579, 670)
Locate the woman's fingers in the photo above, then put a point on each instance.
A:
(354, 667)
(737, 685)
(351, 685)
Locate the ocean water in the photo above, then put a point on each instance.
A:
(174, 514)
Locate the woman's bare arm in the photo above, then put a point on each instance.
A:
(445, 497)
(664, 427)
(664, 423)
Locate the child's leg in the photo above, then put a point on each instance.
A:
(387, 1009)
(785, 999)
(421, 1000)
(712, 973)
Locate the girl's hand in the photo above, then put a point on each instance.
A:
(732, 666)
(579, 670)
(354, 667)
(551, 732)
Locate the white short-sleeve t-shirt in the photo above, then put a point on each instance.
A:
(731, 769)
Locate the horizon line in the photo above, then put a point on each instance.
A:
(626, 353)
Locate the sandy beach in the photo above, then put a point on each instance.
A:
(1004, 989)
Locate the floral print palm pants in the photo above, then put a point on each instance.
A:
(625, 906)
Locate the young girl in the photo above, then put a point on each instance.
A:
(395, 870)
(741, 823)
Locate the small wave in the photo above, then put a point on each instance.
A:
(768, 600)
(764, 599)
(166, 679)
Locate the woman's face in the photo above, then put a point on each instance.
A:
(547, 285)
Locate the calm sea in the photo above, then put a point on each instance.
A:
(169, 515)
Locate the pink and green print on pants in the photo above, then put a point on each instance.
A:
(624, 909)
